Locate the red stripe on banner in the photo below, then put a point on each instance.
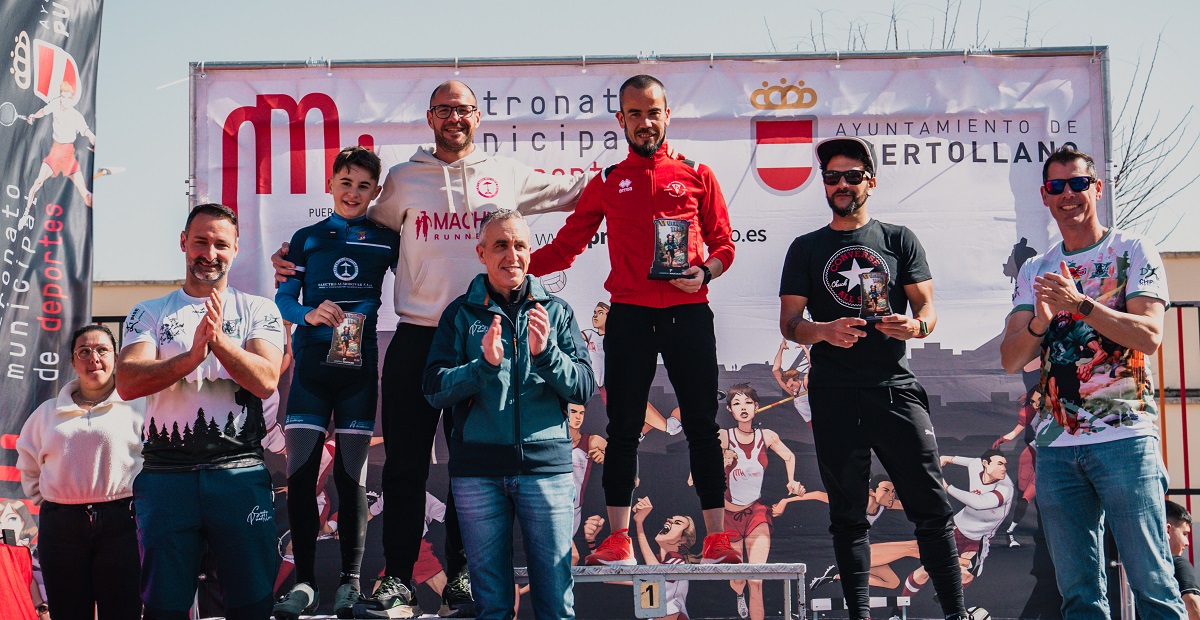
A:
(8, 441)
(783, 132)
(8, 473)
(45, 63)
(69, 76)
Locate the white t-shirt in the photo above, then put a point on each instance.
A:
(205, 420)
(1095, 390)
(66, 123)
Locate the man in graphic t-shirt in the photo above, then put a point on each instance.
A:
(1091, 309)
(863, 396)
(205, 356)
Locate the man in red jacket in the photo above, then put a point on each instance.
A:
(639, 197)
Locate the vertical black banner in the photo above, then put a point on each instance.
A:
(47, 137)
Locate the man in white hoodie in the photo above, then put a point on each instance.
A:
(436, 201)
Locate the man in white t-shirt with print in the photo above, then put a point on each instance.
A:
(205, 356)
(1091, 308)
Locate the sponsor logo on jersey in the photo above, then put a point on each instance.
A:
(841, 273)
(676, 189)
(478, 328)
(345, 269)
(626, 186)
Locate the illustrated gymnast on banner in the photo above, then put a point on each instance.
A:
(67, 124)
(747, 518)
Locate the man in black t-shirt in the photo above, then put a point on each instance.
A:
(862, 393)
(1179, 533)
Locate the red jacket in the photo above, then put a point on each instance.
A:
(631, 195)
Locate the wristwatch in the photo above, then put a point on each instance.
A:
(707, 274)
(924, 329)
(1085, 307)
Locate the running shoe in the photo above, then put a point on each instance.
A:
(456, 598)
(718, 550)
(392, 599)
(343, 601)
(743, 608)
(616, 550)
(301, 599)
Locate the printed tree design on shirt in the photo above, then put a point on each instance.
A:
(203, 434)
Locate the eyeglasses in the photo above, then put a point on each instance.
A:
(444, 111)
(853, 177)
(84, 353)
(1077, 184)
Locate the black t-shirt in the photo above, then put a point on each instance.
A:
(1185, 576)
(824, 266)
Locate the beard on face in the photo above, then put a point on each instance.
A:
(645, 150)
(200, 272)
(444, 144)
(855, 203)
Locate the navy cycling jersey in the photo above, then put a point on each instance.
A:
(343, 261)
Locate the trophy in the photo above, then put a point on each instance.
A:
(873, 290)
(346, 348)
(670, 249)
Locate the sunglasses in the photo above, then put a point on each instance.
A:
(853, 177)
(1077, 184)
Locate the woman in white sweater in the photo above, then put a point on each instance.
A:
(78, 455)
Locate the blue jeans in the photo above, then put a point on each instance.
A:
(1119, 483)
(544, 505)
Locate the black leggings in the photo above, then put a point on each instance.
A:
(633, 339)
(847, 424)
(409, 426)
(305, 520)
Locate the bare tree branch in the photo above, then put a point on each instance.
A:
(769, 37)
(1152, 161)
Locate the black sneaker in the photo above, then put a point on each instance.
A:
(301, 599)
(392, 599)
(345, 598)
(456, 598)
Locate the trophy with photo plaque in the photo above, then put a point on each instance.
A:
(670, 249)
(874, 293)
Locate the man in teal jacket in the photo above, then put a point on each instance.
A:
(506, 359)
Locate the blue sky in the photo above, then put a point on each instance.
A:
(143, 114)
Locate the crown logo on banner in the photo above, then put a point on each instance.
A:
(783, 97)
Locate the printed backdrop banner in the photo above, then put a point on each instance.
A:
(959, 144)
(47, 120)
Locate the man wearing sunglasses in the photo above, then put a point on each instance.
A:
(862, 393)
(454, 184)
(1097, 429)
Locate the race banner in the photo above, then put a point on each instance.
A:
(959, 143)
(47, 135)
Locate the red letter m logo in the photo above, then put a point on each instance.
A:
(259, 117)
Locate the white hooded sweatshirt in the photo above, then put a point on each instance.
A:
(437, 207)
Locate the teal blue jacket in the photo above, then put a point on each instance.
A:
(510, 419)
